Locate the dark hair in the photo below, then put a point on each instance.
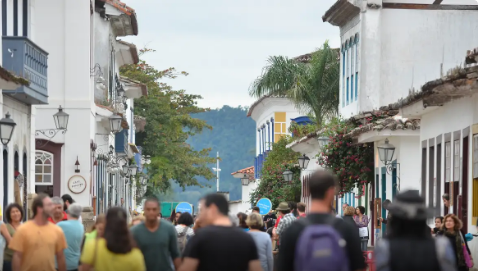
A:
(218, 200)
(362, 209)
(38, 202)
(439, 217)
(446, 197)
(161, 215)
(185, 219)
(152, 199)
(9, 209)
(178, 213)
(255, 208)
(242, 220)
(285, 211)
(66, 198)
(320, 182)
(301, 207)
(117, 236)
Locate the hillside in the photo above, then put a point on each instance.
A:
(233, 135)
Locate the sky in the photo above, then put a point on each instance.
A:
(224, 45)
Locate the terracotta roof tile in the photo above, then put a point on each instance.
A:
(390, 123)
(126, 10)
(247, 170)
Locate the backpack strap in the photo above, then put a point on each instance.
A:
(445, 254)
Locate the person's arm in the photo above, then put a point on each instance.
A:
(189, 264)
(173, 248)
(280, 227)
(5, 233)
(362, 222)
(191, 255)
(60, 258)
(255, 265)
(17, 261)
(270, 258)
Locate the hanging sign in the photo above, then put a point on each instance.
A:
(265, 206)
(77, 184)
(184, 207)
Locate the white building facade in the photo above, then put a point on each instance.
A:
(22, 57)
(384, 59)
(86, 159)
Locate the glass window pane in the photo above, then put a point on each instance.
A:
(47, 178)
(48, 162)
(38, 169)
(38, 162)
(38, 178)
(47, 169)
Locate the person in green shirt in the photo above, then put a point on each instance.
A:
(157, 240)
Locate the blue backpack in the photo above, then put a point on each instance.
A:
(321, 248)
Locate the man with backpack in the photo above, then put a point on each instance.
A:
(335, 243)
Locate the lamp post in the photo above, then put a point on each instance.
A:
(304, 161)
(115, 123)
(287, 175)
(145, 159)
(61, 125)
(7, 126)
(323, 141)
(385, 152)
(245, 180)
(133, 169)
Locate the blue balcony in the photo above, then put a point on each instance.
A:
(121, 142)
(25, 59)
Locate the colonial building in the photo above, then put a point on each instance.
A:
(384, 59)
(91, 158)
(249, 184)
(24, 84)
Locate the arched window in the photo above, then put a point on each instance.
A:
(43, 168)
(352, 64)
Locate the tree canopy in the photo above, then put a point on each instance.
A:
(169, 124)
(312, 86)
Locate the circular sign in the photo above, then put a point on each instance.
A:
(77, 184)
(184, 207)
(265, 206)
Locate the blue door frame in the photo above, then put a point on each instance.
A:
(394, 179)
(384, 196)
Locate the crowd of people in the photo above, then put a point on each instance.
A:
(289, 240)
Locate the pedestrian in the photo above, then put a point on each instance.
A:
(37, 241)
(452, 230)
(385, 205)
(361, 220)
(242, 221)
(183, 230)
(256, 210)
(262, 240)
(157, 239)
(219, 246)
(321, 230)
(293, 208)
(269, 219)
(301, 209)
(446, 202)
(14, 215)
(57, 214)
(116, 250)
(345, 205)
(409, 245)
(348, 217)
(67, 200)
(136, 220)
(287, 219)
(74, 231)
(438, 225)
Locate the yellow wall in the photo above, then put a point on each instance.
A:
(280, 126)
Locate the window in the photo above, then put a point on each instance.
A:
(43, 168)
(352, 64)
(456, 161)
(356, 65)
(447, 162)
(343, 75)
(280, 127)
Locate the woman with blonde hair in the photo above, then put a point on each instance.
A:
(263, 241)
(349, 212)
(451, 229)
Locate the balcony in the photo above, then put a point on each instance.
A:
(25, 59)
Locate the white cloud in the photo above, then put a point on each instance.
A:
(225, 44)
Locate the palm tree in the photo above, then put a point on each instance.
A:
(313, 86)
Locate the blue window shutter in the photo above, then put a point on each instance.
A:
(352, 88)
(356, 85)
(348, 91)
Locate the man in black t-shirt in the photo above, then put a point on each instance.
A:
(219, 246)
(322, 187)
(269, 219)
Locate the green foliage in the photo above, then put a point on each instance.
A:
(314, 86)
(301, 130)
(272, 184)
(169, 125)
(353, 163)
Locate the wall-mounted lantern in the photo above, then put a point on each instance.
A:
(7, 126)
(77, 164)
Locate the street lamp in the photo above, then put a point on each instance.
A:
(61, 119)
(125, 169)
(133, 170)
(145, 159)
(7, 126)
(323, 141)
(385, 152)
(245, 180)
(287, 175)
(115, 123)
(304, 161)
